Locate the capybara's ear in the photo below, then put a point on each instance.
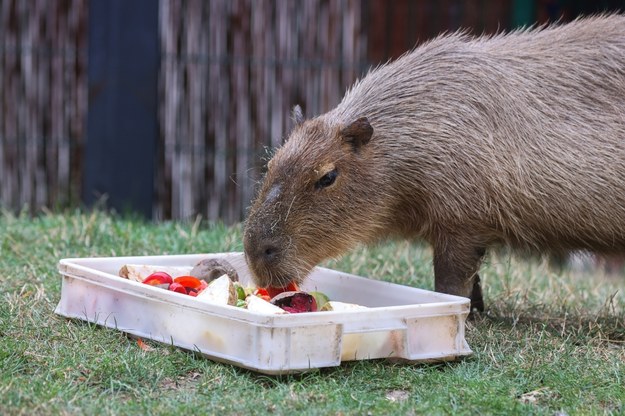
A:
(297, 115)
(357, 133)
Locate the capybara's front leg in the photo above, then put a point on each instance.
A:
(455, 270)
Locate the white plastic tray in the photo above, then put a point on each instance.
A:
(402, 322)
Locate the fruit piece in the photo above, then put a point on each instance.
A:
(259, 305)
(262, 293)
(158, 278)
(177, 287)
(295, 302)
(219, 291)
(274, 291)
(322, 300)
(343, 307)
(211, 269)
(139, 272)
(189, 282)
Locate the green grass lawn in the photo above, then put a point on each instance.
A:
(550, 343)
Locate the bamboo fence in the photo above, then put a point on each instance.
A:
(42, 101)
(231, 72)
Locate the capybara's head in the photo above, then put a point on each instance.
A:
(316, 201)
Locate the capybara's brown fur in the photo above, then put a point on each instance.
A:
(516, 139)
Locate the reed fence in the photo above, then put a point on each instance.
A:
(43, 101)
(230, 72)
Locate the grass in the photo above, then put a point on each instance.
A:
(550, 343)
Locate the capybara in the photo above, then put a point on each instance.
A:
(516, 139)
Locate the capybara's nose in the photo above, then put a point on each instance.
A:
(268, 252)
(262, 252)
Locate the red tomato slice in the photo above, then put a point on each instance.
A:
(189, 282)
(177, 287)
(262, 293)
(273, 291)
(158, 278)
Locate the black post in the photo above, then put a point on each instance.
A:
(122, 121)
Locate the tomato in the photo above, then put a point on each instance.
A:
(273, 291)
(262, 293)
(158, 278)
(189, 282)
(177, 287)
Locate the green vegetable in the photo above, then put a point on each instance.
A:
(240, 291)
(322, 301)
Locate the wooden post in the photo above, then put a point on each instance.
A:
(122, 123)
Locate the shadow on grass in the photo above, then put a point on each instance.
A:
(605, 326)
(356, 369)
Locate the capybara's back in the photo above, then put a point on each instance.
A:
(465, 142)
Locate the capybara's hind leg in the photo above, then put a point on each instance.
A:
(455, 270)
(477, 302)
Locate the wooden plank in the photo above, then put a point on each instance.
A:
(70, 153)
(189, 153)
(242, 133)
(4, 171)
(9, 109)
(259, 70)
(167, 34)
(220, 104)
(179, 125)
(26, 144)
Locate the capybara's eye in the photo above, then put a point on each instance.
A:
(327, 179)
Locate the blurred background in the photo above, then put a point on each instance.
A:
(170, 108)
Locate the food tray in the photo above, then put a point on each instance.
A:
(402, 322)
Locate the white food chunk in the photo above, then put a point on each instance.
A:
(258, 305)
(343, 307)
(220, 291)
